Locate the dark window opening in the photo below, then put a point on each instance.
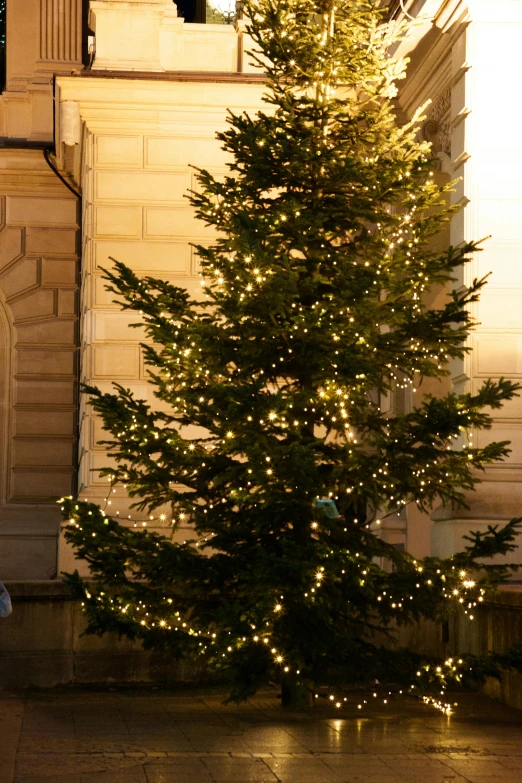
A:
(207, 11)
(192, 10)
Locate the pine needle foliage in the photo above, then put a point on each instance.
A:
(312, 313)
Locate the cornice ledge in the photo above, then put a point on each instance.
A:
(424, 16)
(445, 14)
(438, 12)
(451, 12)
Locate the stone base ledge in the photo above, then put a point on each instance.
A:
(42, 645)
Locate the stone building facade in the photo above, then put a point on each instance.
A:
(39, 251)
(95, 163)
(464, 57)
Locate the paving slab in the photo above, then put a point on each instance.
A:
(176, 773)
(305, 770)
(189, 736)
(11, 717)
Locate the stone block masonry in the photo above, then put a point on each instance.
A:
(140, 139)
(41, 645)
(39, 244)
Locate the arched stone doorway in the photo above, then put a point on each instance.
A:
(38, 360)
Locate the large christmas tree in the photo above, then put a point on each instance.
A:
(314, 310)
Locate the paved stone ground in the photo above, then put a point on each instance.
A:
(153, 736)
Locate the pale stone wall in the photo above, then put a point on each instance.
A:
(133, 165)
(139, 139)
(151, 37)
(486, 152)
(38, 314)
(465, 58)
(129, 142)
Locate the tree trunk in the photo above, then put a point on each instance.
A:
(296, 693)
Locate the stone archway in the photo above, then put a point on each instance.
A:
(38, 359)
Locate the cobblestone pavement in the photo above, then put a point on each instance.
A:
(155, 736)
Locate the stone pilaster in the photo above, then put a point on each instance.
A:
(467, 61)
(60, 31)
(140, 137)
(44, 37)
(485, 153)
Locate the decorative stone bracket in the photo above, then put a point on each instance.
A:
(437, 127)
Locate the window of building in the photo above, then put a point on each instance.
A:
(221, 11)
(207, 11)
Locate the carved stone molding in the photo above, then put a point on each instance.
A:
(43, 38)
(60, 30)
(437, 128)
